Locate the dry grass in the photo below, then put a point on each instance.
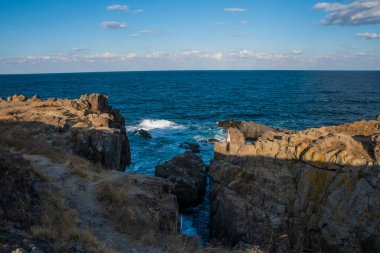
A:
(26, 145)
(59, 224)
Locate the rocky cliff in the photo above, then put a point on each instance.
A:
(59, 191)
(316, 190)
(87, 126)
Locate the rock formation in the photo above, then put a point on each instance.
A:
(188, 174)
(143, 133)
(250, 130)
(55, 195)
(88, 126)
(315, 190)
(189, 146)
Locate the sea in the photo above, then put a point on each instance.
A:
(185, 106)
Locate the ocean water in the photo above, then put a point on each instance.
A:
(179, 106)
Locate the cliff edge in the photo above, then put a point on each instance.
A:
(315, 190)
(87, 127)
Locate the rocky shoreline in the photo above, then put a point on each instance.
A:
(316, 190)
(63, 186)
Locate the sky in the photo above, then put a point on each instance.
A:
(52, 36)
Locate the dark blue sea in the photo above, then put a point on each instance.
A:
(179, 106)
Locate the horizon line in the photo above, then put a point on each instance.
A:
(195, 70)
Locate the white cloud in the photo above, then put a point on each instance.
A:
(297, 52)
(200, 54)
(368, 35)
(241, 54)
(235, 10)
(145, 33)
(118, 7)
(243, 22)
(78, 49)
(358, 12)
(113, 24)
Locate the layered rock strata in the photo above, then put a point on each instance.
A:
(316, 190)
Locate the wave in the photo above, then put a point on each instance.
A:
(151, 124)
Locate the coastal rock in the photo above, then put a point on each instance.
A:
(188, 174)
(252, 130)
(143, 133)
(228, 123)
(316, 189)
(193, 147)
(213, 140)
(88, 126)
(17, 98)
(2, 100)
(35, 98)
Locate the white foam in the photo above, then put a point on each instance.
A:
(150, 124)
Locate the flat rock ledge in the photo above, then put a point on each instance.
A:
(316, 190)
(87, 126)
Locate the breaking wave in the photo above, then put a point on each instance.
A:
(150, 124)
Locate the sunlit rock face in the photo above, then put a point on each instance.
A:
(317, 189)
(87, 126)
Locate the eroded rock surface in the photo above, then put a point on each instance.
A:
(316, 190)
(251, 130)
(188, 174)
(88, 126)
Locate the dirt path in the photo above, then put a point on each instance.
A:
(81, 196)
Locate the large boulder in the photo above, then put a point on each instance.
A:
(188, 174)
(317, 189)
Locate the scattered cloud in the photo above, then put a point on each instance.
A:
(296, 52)
(368, 35)
(113, 24)
(200, 54)
(79, 49)
(145, 33)
(235, 10)
(358, 12)
(243, 22)
(118, 7)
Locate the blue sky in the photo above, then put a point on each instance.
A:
(87, 35)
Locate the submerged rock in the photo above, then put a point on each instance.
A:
(213, 140)
(143, 133)
(188, 174)
(317, 189)
(193, 147)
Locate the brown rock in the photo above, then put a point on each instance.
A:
(87, 127)
(312, 189)
(188, 174)
(35, 98)
(17, 98)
